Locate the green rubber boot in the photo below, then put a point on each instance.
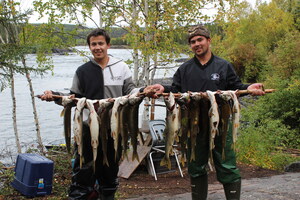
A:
(199, 187)
(233, 190)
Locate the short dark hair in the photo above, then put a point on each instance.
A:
(198, 30)
(97, 32)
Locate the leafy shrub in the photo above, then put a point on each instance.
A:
(270, 124)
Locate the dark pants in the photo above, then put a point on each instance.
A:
(83, 179)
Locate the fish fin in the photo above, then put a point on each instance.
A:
(135, 156)
(166, 162)
(105, 161)
(177, 137)
(125, 154)
(62, 113)
(182, 160)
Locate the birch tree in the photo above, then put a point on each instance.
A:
(14, 45)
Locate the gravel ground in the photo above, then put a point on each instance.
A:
(278, 187)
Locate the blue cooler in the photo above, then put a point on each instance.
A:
(33, 175)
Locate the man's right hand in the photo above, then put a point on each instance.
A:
(47, 96)
(154, 90)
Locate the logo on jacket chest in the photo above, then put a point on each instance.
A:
(215, 77)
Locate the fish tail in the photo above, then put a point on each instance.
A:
(135, 156)
(182, 160)
(105, 161)
(125, 154)
(62, 113)
(166, 162)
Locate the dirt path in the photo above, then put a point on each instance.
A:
(141, 184)
(278, 187)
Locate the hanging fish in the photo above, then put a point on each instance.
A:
(236, 117)
(194, 114)
(66, 113)
(104, 109)
(172, 128)
(184, 131)
(94, 129)
(77, 127)
(213, 119)
(115, 123)
(225, 114)
(124, 109)
(133, 125)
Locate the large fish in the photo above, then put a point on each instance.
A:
(225, 114)
(124, 125)
(184, 131)
(103, 113)
(194, 114)
(115, 123)
(94, 129)
(66, 113)
(77, 127)
(172, 128)
(134, 103)
(235, 117)
(213, 120)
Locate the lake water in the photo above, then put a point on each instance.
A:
(51, 124)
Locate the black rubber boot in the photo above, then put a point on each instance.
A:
(199, 187)
(233, 190)
(107, 197)
(108, 193)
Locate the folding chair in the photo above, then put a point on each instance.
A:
(157, 128)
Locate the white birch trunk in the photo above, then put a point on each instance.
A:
(100, 13)
(135, 49)
(145, 120)
(36, 119)
(14, 110)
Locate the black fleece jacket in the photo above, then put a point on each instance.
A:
(216, 74)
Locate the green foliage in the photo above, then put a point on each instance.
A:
(285, 60)
(251, 35)
(6, 177)
(261, 138)
(271, 124)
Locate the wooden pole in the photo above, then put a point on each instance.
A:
(152, 110)
(238, 92)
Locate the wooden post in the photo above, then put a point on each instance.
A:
(152, 109)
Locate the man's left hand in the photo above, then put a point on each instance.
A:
(256, 89)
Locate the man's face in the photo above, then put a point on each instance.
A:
(98, 47)
(200, 45)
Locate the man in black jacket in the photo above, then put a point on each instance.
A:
(206, 71)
